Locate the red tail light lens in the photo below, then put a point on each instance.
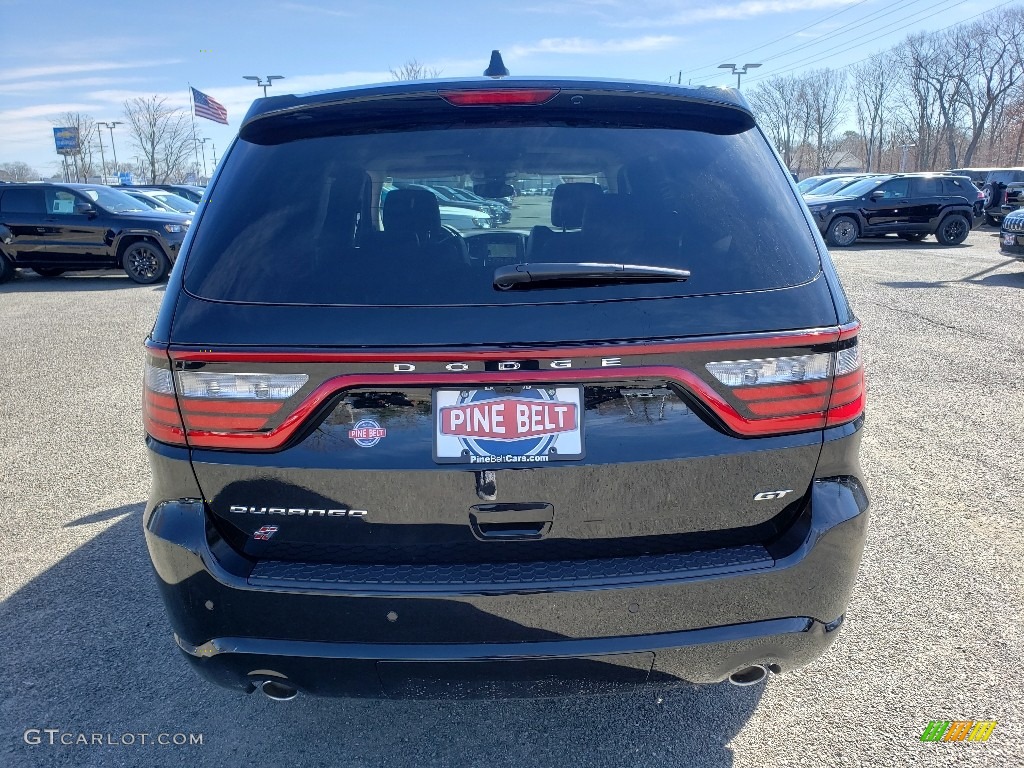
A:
(781, 394)
(848, 388)
(206, 407)
(499, 97)
(159, 407)
(233, 402)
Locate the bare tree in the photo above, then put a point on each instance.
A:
(872, 89)
(163, 137)
(777, 102)
(824, 92)
(992, 48)
(18, 171)
(413, 70)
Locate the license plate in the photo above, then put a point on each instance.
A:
(1009, 239)
(520, 426)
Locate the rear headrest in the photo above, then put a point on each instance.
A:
(411, 211)
(569, 202)
(614, 222)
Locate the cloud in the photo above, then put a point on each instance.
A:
(24, 73)
(578, 45)
(37, 86)
(747, 9)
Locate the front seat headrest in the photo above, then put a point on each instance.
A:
(570, 201)
(411, 211)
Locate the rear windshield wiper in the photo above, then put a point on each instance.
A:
(537, 273)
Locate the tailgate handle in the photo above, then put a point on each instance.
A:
(511, 522)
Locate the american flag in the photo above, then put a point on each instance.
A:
(209, 107)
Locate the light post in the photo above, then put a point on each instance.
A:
(103, 160)
(738, 71)
(903, 156)
(202, 147)
(261, 84)
(110, 126)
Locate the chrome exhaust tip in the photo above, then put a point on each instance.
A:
(748, 675)
(278, 691)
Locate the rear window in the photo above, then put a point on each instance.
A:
(425, 217)
(22, 201)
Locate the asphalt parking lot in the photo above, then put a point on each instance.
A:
(933, 631)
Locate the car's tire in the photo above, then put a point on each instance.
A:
(913, 237)
(48, 271)
(842, 231)
(953, 229)
(145, 262)
(7, 270)
(991, 220)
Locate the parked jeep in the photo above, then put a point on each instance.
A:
(53, 228)
(996, 183)
(911, 206)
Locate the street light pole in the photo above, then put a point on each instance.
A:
(103, 160)
(110, 126)
(261, 84)
(202, 148)
(738, 71)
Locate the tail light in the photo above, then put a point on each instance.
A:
(199, 406)
(498, 97)
(160, 407)
(753, 397)
(782, 394)
(233, 402)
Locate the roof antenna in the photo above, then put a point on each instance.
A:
(496, 68)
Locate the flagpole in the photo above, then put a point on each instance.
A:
(195, 142)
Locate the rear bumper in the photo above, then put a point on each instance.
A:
(572, 630)
(551, 668)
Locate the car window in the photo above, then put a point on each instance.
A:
(832, 186)
(861, 187)
(113, 200)
(307, 220)
(60, 201)
(895, 189)
(927, 187)
(23, 201)
(960, 188)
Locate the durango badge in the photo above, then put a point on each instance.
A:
(367, 433)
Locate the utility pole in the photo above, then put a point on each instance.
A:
(738, 71)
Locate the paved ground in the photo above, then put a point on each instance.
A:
(933, 630)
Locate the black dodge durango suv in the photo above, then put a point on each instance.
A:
(613, 444)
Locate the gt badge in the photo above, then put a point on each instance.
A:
(767, 495)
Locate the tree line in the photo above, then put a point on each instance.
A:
(940, 100)
(160, 143)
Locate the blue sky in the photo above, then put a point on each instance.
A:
(71, 56)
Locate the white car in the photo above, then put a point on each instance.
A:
(465, 219)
